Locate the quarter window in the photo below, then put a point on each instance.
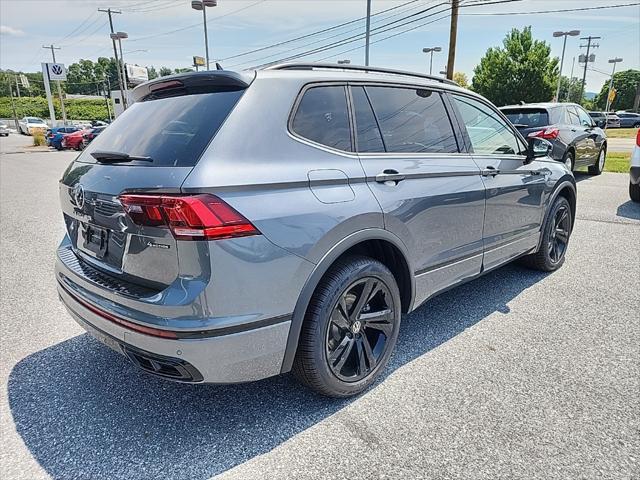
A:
(489, 134)
(368, 133)
(412, 120)
(322, 117)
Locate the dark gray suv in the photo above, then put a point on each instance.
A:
(233, 226)
(577, 139)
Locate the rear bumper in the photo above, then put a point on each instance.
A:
(243, 356)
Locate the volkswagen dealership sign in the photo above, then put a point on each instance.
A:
(56, 71)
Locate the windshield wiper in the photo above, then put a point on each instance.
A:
(106, 157)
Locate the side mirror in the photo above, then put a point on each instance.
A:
(601, 123)
(538, 147)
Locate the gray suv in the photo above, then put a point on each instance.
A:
(234, 226)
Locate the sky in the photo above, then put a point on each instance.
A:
(239, 26)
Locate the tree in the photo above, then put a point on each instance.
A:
(570, 89)
(153, 73)
(164, 71)
(523, 70)
(461, 79)
(626, 85)
(183, 70)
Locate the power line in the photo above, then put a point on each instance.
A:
(555, 11)
(334, 27)
(381, 29)
(357, 29)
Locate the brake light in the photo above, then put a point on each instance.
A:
(638, 138)
(193, 217)
(547, 134)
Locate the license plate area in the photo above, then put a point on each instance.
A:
(94, 239)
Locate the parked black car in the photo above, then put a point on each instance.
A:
(629, 119)
(578, 141)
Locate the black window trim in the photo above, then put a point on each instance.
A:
(312, 143)
(442, 92)
(517, 134)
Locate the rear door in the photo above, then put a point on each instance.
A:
(515, 189)
(430, 192)
(172, 133)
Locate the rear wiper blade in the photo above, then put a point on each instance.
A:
(105, 157)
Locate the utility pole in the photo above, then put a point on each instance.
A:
(13, 108)
(453, 34)
(589, 39)
(573, 64)
(17, 86)
(110, 11)
(614, 61)
(53, 54)
(366, 48)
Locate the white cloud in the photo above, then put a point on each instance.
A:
(6, 30)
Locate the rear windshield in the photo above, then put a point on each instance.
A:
(527, 117)
(173, 131)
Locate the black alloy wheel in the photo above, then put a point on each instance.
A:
(359, 329)
(559, 235)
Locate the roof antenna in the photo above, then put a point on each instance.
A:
(218, 66)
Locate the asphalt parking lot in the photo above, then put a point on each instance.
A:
(515, 375)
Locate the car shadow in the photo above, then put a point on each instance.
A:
(85, 412)
(629, 209)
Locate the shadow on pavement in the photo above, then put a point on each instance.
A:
(84, 412)
(629, 209)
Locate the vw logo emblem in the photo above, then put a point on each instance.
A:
(78, 195)
(56, 69)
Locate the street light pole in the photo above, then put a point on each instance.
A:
(202, 5)
(614, 61)
(368, 34)
(572, 33)
(430, 51)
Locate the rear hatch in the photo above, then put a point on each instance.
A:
(528, 120)
(151, 148)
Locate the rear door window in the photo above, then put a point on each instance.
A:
(367, 131)
(527, 117)
(412, 120)
(322, 117)
(173, 131)
(572, 116)
(585, 119)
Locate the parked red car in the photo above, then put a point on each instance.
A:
(74, 140)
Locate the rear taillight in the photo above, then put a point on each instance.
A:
(638, 138)
(547, 134)
(193, 217)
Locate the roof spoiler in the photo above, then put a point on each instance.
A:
(194, 80)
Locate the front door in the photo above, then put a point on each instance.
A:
(431, 194)
(515, 189)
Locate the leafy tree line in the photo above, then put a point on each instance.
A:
(84, 77)
(76, 109)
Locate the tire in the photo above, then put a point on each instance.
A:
(636, 125)
(634, 192)
(336, 353)
(569, 160)
(548, 258)
(598, 167)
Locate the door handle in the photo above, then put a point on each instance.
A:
(490, 171)
(391, 176)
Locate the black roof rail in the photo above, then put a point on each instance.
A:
(359, 68)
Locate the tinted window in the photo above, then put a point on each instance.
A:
(527, 117)
(323, 118)
(412, 120)
(585, 119)
(487, 131)
(369, 138)
(173, 131)
(572, 116)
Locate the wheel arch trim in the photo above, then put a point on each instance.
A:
(565, 182)
(322, 267)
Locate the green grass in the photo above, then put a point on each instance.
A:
(616, 162)
(622, 132)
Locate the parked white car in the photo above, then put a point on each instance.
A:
(29, 125)
(4, 130)
(634, 171)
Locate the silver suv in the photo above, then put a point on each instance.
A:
(233, 226)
